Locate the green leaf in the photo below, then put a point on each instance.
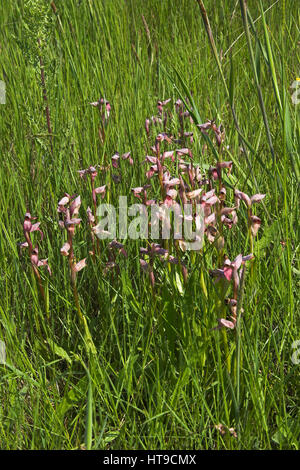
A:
(179, 284)
(89, 417)
(59, 351)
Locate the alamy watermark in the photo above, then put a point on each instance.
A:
(2, 92)
(296, 353)
(296, 95)
(140, 221)
(2, 352)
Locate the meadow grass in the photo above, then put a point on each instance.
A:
(160, 378)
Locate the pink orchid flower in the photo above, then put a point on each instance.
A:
(239, 195)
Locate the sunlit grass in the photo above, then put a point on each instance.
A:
(159, 378)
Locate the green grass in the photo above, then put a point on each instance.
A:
(160, 377)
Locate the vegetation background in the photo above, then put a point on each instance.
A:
(159, 379)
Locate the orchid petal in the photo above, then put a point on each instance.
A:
(100, 189)
(228, 271)
(238, 261)
(75, 206)
(91, 217)
(151, 159)
(248, 257)
(225, 323)
(65, 249)
(44, 262)
(194, 194)
(257, 198)
(255, 224)
(80, 265)
(145, 266)
(243, 196)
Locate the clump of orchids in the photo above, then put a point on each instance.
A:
(33, 250)
(176, 180)
(181, 182)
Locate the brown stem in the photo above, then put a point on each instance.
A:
(97, 244)
(73, 276)
(40, 284)
(251, 240)
(35, 270)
